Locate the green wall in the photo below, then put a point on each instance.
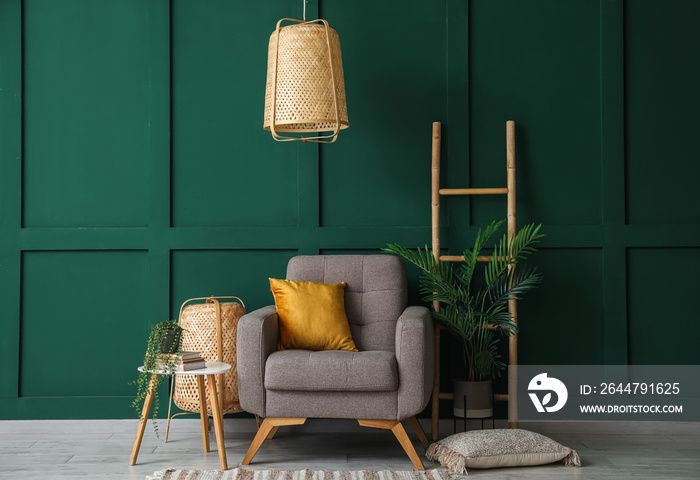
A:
(135, 174)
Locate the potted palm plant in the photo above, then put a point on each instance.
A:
(476, 312)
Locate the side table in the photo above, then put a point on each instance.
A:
(212, 368)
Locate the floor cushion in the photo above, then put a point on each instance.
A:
(498, 448)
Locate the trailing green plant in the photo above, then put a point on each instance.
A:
(477, 314)
(164, 344)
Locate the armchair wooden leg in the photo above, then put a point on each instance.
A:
(400, 434)
(272, 433)
(267, 430)
(415, 424)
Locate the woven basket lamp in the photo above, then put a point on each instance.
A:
(305, 89)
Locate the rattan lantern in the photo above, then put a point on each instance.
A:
(305, 89)
(210, 328)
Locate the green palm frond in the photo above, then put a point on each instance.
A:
(470, 256)
(508, 253)
(520, 281)
(487, 359)
(466, 310)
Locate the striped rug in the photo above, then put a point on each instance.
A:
(242, 474)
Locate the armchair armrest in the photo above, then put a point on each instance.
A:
(257, 339)
(415, 358)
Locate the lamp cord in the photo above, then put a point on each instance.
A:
(304, 2)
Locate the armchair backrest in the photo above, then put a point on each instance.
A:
(375, 295)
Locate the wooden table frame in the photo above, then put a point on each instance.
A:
(212, 369)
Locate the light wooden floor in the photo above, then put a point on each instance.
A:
(100, 449)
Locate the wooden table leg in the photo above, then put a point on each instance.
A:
(144, 418)
(203, 409)
(218, 421)
(220, 383)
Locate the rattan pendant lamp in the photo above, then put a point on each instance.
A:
(305, 90)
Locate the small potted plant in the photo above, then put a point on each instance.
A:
(164, 345)
(477, 314)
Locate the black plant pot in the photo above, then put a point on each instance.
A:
(171, 341)
(478, 396)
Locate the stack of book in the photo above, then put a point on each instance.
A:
(183, 362)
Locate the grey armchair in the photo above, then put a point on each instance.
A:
(387, 381)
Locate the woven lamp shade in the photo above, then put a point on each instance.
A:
(305, 86)
(210, 328)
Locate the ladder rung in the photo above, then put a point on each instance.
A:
(460, 258)
(473, 191)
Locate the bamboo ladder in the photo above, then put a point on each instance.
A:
(509, 191)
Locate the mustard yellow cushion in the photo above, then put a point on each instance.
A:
(312, 315)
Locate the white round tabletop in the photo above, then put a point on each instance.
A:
(212, 368)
